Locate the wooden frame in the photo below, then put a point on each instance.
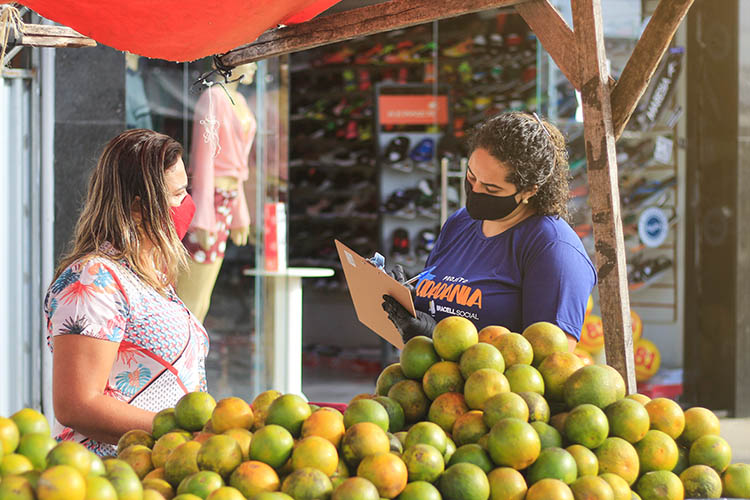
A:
(580, 54)
(42, 35)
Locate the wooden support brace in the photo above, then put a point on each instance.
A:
(42, 35)
(555, 36)
(395, 14)
(604, 192)
(644, 60)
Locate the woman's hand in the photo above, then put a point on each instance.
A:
(406, 324)
(81, 368)
(240, 235)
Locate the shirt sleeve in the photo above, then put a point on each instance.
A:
(87, 299)
(556, 287)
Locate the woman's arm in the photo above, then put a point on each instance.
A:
(81, 367)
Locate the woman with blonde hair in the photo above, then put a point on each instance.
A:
(124, 345)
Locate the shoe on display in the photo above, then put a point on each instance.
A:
(363, 76)
(647, 270)
(401, 204)
(460, 49)
(425, 243)
(342, 157)
(423, 154)
(400, 242)
(396, 153)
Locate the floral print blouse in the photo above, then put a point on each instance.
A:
(162, 346)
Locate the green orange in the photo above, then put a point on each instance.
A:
(417, 356)
(193, 410)
(628, 419)
(482, 385)
(9, 436)
(452, 336)
(355, 488)
(593, 384)
(423, 462)
(410, 395)
(711, 450)
(389, 376)
(514, 348)
(525, 378)
(464, 481)
(289, 411)
(660, 485)
(481, 355)
(656, 451)
(272, 444)
(553, 463)
(699, 422)
(316, 452)
(666, 416)
(61, 482)
(555, 370)
(506, 483)
(736, 481)
(253, 477)
(469, 428)
(366, 410)
(617, 456)
(473, 454)
(417, 490)
(442, 377)
(446, 409)
(307, 484)
(29, 421)
(591, 488)
(539, 410)
(586, 424)
(220, 454)
(586, 461)
(701, 481)
(548, 435)
(545, 338)
(426, 433)
(513, 443)
(505, 405)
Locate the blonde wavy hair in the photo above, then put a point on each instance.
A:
(128, 202)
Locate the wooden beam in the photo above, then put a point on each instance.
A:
(555, 36)
(644, 60)
(42, 35)
(395, 14)
(604, 194)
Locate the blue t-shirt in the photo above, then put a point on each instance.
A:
(535, 271)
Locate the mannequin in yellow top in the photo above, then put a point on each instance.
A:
(223, 135)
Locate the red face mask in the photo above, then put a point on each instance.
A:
(182, 215)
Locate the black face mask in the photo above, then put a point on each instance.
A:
(481, 206)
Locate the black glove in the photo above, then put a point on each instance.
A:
(407, 325)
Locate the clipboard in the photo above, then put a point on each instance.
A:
(367, 285)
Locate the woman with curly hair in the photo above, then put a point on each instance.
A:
(509, 257)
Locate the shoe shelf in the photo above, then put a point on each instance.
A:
(649, 178)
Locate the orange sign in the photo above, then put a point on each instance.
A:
(413, 109)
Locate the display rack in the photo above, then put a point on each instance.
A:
(648, 178)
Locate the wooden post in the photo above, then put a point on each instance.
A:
(604, 192)
(386, 16)
(555, 36)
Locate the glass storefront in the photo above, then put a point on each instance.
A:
(234, 137)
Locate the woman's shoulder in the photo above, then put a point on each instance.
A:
(94, 270)
(550, 228)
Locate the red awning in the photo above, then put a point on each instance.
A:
(176, 30)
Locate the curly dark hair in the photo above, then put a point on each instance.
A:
(535, 157)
